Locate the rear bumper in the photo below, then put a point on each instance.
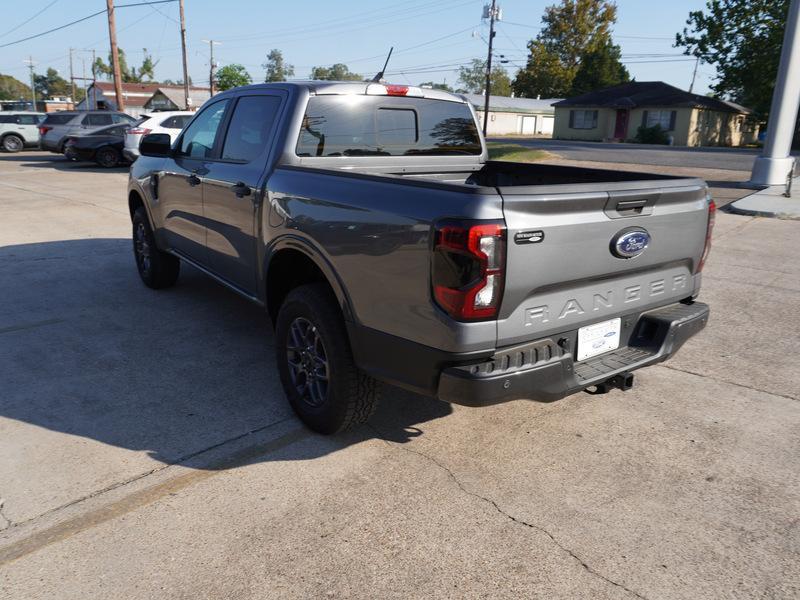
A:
(545, 369)
(51, 145)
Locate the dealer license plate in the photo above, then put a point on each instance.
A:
(598, 338)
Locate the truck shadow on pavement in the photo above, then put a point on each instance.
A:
(87, 350)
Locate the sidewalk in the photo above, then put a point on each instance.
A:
(771, 202)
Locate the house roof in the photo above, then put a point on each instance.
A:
(649, 93)
(197, 96)
(137, 94)
(517, 105)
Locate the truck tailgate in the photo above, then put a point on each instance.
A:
(562, 272)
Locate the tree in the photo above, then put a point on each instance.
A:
(13, 89)
(231, 76)
(336, 72)
(572, 31)
(51, 84)
(129, 75)
(742, 39)
(473, 79)
(600, 68)
(276, 69)
(436, 86)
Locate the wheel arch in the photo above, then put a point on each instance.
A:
(292, 262)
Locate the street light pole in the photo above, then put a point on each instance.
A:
(775, 164)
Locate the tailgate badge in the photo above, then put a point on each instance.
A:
(630, 242)
(528, 237)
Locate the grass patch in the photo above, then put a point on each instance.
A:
(516, 153)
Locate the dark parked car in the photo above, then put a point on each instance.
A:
(103, 146)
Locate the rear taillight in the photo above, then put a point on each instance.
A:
(712, 216)
(468, 268)
(44, 129)
(138, 131)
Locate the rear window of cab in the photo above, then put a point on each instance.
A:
(360, 125)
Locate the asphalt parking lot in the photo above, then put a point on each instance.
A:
(146, 449)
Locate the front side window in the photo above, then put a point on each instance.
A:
(582, 119)
(8, 119)
(356, 125)
(250, 128)
(56, 119)
(199, 139)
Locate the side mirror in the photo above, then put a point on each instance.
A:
(156, 144)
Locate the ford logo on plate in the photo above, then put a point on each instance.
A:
(630, 242)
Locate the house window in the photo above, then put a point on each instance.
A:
(663, 118)
(582, 119)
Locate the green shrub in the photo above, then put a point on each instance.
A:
(652, 135)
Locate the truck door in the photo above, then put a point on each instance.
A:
(180, 193)
(232, 189)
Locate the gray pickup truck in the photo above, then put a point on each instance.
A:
(386, 247)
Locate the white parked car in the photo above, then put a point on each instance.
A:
(169, 122)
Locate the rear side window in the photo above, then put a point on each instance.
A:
(176, 122)
(8, 119)
(251, 124)
(28, 119)
(348, 125)
(119, 118)
(56, 119)
(97, 120)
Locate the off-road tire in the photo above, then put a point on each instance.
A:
(351, 395)
(107, 157)
(161, 269)
(13, 143)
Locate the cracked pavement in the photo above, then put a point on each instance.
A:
(146, 450)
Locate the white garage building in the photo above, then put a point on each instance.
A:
(516, 116)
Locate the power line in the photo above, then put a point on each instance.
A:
(26, 21)
(81, 20)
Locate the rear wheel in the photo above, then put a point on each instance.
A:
(324, 386)
(107, 157)
(156, 268)
(13, 143)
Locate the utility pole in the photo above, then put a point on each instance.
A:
(112, 35)
(85, 89)
(492, 16)
(212, 65)
(776, 164)
(31, 64)
(186, 100)
(94, 80)
(71, 78)
(694, 75)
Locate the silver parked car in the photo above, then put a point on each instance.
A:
(58, 126)
(19, 129)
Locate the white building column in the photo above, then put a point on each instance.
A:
(775, 163)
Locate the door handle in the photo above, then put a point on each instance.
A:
(193, 180)
(241, 189)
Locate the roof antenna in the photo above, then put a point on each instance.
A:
(379, 76)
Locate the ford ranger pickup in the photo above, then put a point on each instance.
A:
(385, 246)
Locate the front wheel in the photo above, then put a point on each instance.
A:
(324, 386)
(13, 143)
(156, 268)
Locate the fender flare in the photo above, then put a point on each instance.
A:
(309, 249)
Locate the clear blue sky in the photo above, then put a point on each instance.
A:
(317, 32)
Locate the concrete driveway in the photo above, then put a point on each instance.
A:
(146, 449)
(734, 159)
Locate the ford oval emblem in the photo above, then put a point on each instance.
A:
(630, 242)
